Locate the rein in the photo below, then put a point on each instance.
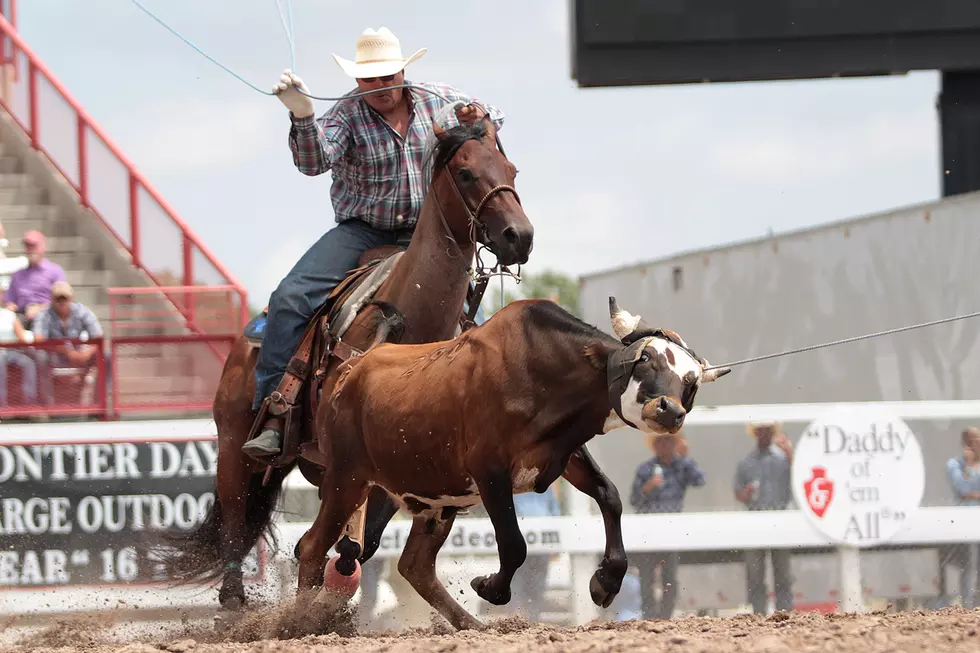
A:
(479, 237)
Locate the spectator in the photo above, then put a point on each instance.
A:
(66, 318)
(62, 319)
(30, 288)
(8, 265)
(964, 477)
(659, 486)
(12, 331)
(762, 483)
(530, 582)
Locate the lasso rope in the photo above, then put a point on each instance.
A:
(288, 29)
(292, 54)
(844, 341)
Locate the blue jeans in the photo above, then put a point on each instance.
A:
(306, 287)
(970, 575)
(28, 383)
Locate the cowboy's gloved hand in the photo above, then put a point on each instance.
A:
(285, 90)
(469, 113)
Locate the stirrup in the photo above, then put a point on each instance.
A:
(275, 405)
(255, 452)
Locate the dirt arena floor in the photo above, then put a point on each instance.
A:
(948, 630)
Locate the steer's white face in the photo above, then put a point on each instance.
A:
(664, 381)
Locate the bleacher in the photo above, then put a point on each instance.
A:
(169, 310)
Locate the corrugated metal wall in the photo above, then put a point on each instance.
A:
(837, 281)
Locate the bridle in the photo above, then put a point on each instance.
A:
(479, 235)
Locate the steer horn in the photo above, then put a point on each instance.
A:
(628, 328)
(712, 373)
(623, 323)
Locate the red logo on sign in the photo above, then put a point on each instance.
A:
(819, 491)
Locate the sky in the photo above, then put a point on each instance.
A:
(608, 177)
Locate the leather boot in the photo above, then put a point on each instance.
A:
(268, 442)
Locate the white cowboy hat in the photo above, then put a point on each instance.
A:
(378, 54)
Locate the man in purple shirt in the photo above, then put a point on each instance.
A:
(30, 288)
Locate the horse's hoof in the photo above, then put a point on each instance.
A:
(601, 596)
(484, 589)
(232, 603)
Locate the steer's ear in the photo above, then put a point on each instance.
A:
(597, 353)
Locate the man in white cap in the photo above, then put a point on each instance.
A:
(373, 147)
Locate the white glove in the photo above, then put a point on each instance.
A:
(299, 104)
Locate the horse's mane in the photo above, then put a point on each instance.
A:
(446, 149)
(438, 153)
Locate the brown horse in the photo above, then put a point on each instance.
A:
(470, 201)
(500, 410)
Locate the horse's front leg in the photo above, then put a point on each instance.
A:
(496, 490)
(584, 474)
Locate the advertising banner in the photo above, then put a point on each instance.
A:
(77, 514)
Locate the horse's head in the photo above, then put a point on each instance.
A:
(483, 180)
(655, 376)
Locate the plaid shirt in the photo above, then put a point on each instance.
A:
(682, 472)
(81, 318)
(377, 174)
(772, 469)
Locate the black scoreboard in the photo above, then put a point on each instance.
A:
(655, 42)
(625, 42)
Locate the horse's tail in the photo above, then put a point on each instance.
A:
(200, 555)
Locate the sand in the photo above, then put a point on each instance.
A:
(943, 631)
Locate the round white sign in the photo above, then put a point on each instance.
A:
(858, 475)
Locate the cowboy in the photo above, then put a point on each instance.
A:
(373, 147)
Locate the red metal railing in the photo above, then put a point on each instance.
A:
(190, 262)
(165, 360)
(166, 373)
(34, 380)
(163, 373)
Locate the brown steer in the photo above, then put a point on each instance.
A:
(497, 411)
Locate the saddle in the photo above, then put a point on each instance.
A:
(322, 341)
